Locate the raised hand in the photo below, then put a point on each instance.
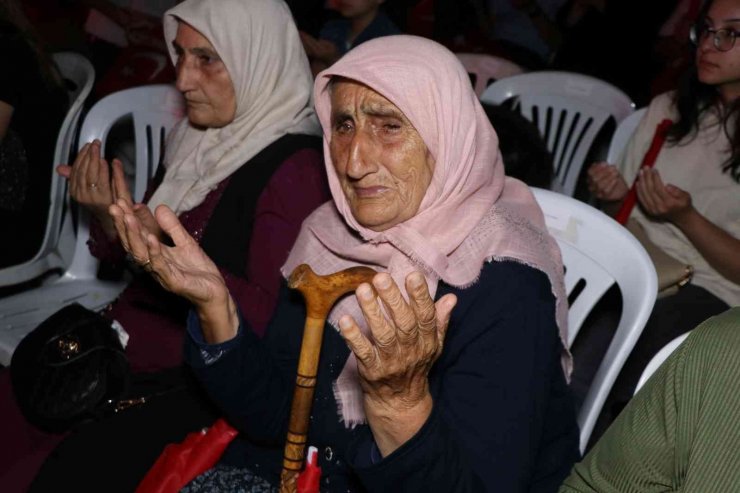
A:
(394, 363)
(183, 269)
(606, 183)
(141, 211)
(89, 183)
(665, 202)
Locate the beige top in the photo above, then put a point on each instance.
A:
(696, 167)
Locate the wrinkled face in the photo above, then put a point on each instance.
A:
(203, 79)
(720, 68)
(382, 163)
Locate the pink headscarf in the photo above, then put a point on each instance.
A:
(471, 213)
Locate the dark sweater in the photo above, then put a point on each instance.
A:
(338, 32)
(503, 419)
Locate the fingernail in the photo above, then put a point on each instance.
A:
(365, 292)
(416, 279)
(382, 281)
(345, 322)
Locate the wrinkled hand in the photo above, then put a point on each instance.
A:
(665, 202)
(90, 183)
(140, 210)
(606, 183)
(183, 269)
(394, 363)
(320, 49)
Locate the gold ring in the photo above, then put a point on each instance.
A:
(146, 263)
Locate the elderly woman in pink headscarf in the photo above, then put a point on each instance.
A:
(449, 375)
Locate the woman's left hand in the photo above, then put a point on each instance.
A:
(394, 364)
(183, 269)
(665, 202)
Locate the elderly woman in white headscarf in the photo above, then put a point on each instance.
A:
(454, 377)
(242, 170)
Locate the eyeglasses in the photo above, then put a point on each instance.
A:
(722, 39)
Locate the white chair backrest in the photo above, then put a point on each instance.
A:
(569, 109)
(622, 135)
(598, 252)
(57, 246)
(486, 69)
(659, 359)
(154, 110)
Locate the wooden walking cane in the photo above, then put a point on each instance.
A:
(320, 294)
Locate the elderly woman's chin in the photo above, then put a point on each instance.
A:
(203, 116)
(379, 214)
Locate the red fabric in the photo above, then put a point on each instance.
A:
(308, 480)
(136, 66)
(647, 162)
(693, 10)
(180, 463)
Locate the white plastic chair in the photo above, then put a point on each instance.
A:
(597, 252)
(569, 109)
(57, 246)
(154, 110)
(487, 69)
(659, 359)
(622, 135)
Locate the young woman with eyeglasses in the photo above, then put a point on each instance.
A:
(689, 202)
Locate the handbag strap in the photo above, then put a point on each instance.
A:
(661, 132)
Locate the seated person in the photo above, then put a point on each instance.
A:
(463, 386)
(362, 20)
(679, 433)
(688, 202)
(523, 151)
(248, 114)
(525, 30)
(33, 103)
(128, 48)
(242, 171)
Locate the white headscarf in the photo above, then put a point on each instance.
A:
(259, 44)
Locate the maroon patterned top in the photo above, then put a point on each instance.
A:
(155, 319)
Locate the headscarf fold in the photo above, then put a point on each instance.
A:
(259, 44)
(471, 213)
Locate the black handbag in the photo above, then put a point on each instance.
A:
(69, 369)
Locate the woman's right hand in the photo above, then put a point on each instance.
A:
(90, 185)
(606, 183)
(183, 269)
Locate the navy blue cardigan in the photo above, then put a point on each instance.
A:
(503, 418)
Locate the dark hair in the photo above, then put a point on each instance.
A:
(693, 99)
(523, 151)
